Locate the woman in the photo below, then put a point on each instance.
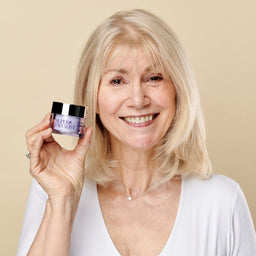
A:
(140, 183)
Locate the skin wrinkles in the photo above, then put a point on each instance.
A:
(135, 95)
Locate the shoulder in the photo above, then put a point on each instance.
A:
(214, 184)
(217, 191)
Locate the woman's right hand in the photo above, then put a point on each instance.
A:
(60, 172)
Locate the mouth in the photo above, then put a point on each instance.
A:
(139, 119)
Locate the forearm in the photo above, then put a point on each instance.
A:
(53, 236)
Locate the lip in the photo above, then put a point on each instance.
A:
(151, 118)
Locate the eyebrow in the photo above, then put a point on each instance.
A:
(124, 71)
(116, 70)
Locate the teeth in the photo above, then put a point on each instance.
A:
(138, 120)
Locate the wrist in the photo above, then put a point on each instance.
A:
(61, 209)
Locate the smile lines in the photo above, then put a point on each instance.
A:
(139, 119)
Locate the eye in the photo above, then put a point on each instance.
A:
(116, 82)
(156, 78)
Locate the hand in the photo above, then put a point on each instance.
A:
(59, 171)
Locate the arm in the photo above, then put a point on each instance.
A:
(32, 218)
(243, 233)
(61, 175)
(53, 236)
(41, 222)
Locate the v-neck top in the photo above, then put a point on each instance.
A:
(213, 219)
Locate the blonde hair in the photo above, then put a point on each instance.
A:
(183, 149)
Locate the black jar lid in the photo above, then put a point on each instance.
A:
(68, 109)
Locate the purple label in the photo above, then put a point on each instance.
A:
(67, 124)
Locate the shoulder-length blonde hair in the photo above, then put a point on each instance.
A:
(182, 150)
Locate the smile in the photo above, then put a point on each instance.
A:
(139, 119)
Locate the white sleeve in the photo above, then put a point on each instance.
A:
(243, 238)
(33, 217)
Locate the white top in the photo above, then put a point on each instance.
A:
(213, 219)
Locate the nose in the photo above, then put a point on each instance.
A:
(138, 96)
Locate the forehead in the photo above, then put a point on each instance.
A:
(125, 57)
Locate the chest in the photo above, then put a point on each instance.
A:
(139, 228)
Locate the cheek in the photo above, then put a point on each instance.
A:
(107, 105)
(167, 100)
(170, 98)
(171, 103)
(102, 102)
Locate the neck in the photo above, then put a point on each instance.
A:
(135, 172)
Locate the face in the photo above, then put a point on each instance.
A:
(136, 102)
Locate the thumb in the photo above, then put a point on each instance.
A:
(83, 144)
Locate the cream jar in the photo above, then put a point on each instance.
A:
(67, 119)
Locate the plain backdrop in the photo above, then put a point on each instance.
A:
(41, 42)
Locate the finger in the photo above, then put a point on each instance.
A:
(37, 146)
(83, 144)
(40, 126)
(35, 155)
(47, 137)
(31, 134)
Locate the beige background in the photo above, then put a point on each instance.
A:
(40, 45)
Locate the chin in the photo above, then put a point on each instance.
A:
(143, 144)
